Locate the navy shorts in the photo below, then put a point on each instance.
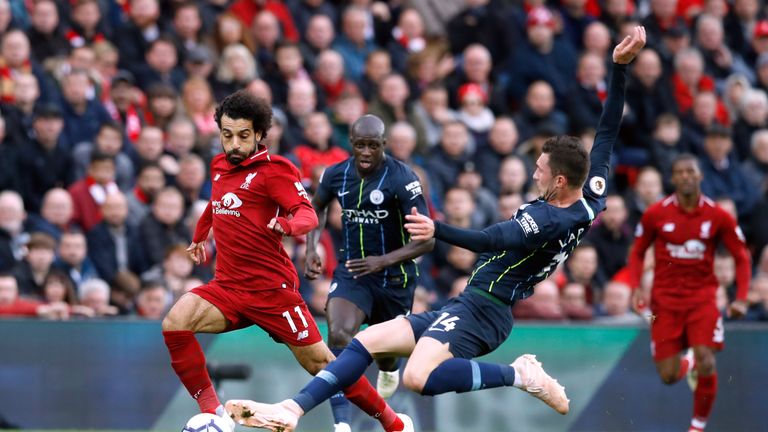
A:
(471, 324)
(380, 297)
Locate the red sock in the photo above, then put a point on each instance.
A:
(188, 360)
(362, 394)
(684, 366)
(704, 397)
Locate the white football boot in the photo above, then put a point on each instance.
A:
(540, 385)
(387, 382)
(279, 417)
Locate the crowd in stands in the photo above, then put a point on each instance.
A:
(107, 131)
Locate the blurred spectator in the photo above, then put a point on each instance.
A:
(21, 112)
(719, 60)
(229, 30)
(12, 305)
(160, 65)
(407, 38)
(149, 150)
(508, 205)
(149, 181)
(249, 10)
(318, 37)
(58, 288)
(483, 22)
(266, 35)
(174, 269)
(46, 162)
(191, 180)
(237, 68)
(513, 176)
(646, 191)
(73, 259)
(182, 138)
(689, 80)
(401, 142)
(163, 226)
(666, 146)
(162, 105)
(573, 302)
(724, 268)
(329, 76)
(14, 60)
(125, 287)
(153, 301)
(378, 65)
(32, 271)
(452, 277)
(123, 106)
(349, 107)
(502, 140)
(477, 68)
(353, 44)
(662, 17)
(289, 68)
(94, 293)
(391, 105)
(13, 238)
(474, 112)
(447, 159)
(90, 193)
(82, 116)
(753, 115)
(109, 141)
(199, 106)
(302, 101)
(186, 29)
(721, 172)
(612, 237)
(433, 112)
(575, 19)
(539, 58)
(471, 180)
(739, 23)
(86, 26)
(758, 311)
(755, 168)
(113, 246)
(303, 11)
(582, 267)
(45, 35)
(142, 28)
(544, 304)
(539, 111)
(318, 148)
(648, 95)
(733, 91)
(429, 66)
(615, 306)
(55, 215)
(585, 102)
(597, 39)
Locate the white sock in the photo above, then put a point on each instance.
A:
(698, 423)
(220, 411)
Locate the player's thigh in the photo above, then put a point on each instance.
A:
(283, 314)
(667, 334)
(393, 338)
(313, 358)
(194, 313)
(704, 327)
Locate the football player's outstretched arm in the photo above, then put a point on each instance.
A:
(313, 265)
(608, 127)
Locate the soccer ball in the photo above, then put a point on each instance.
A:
(206, 422)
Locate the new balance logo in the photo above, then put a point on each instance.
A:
(302, 335)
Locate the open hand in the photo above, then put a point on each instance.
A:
(419, 226)
(367, 265)
(313, 265)
(627, 49)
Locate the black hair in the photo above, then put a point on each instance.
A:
(98, 156)
(685, 157)
(242, 104)
(569, 158)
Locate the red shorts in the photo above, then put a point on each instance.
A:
(280, 312)
(675, 330)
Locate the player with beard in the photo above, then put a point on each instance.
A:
(256, 199)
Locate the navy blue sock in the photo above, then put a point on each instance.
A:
(462, 375)
(341, 373)
(340, 406)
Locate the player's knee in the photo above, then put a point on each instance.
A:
(172, 322)
(705, 365)
(415, 379)
(339, 337)
(668, 378)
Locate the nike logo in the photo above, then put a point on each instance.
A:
(342, 193)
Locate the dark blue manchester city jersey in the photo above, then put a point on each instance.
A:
(374, 209)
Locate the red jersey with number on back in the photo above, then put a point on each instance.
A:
(244, 198)
(684, 246)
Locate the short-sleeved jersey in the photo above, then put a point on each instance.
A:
(244, 198)
(373, 210)
(526, 249)
(684, 245)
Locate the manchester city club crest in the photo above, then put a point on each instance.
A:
(377, 196)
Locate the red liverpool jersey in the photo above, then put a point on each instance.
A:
(684, 246)
(244, 198)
